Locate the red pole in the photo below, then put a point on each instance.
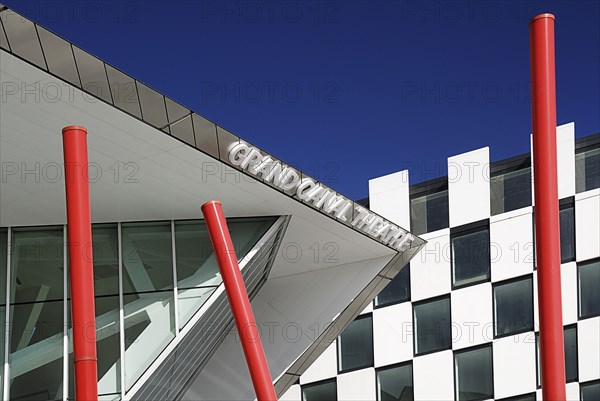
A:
(238, 300)
(81, 272)
(547, 229)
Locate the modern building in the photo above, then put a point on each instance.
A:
(461, 322)
(312, 259)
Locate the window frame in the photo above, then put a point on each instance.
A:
(454, 370)
(394, 366)
(528, 276)
(395, 302)
(564, 204)
(316, 384)
(338, 346)
(466, 229)
(579, 315)
(587, 384)
(414, 326)
(538, 374)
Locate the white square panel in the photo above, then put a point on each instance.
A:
(430, 268)
(324, 367)
(389, 197)
(588, 343)
(587, 228)
(514, 365)
(393, 334)
(433, 376)
(472, 322)
(356, 386)
(511, 246)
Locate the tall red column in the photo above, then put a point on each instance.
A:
(81, 273)
(547, 229)
(238, 300)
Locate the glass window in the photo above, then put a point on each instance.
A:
(511, 190)
(590, 391)
(429, 212)
(105, 248)
(470, 256)
(473, 374)
(589, 282)
(3, 256)
(397, 290)
(432, 326)
(59, 56)
(522, 397)
(323, 391)
(147, 256)
(570, 343)
(587, 169)
(93, 74)
(124, 91)
(23, 38)
(395, 383)
(567, 233)
(513, 306)
(355, 345)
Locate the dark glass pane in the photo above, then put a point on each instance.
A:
(524, 397)
(23, 38)
(429, 212)
(590, 391)
(59, 56)
(37, 264)
(92, 74)
(106, 259)
(355, 345)
(513, 304)
(587, 170)
(320, 392)
(124, 91)
(567, 234)
(432, 326)
(517, 189)
(395, 384)
(36, 351)
(147, 256)
(398, 290)
(474, 379)
(3, 255)
(153, 106)
(589, 283)
(570, 338)
(470, 257)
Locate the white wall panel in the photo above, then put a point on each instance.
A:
(588, 341)
(356, 386)
(293, 394)
(324, 367)
(430, 268)
(469, 187)
(389, 197)
(511, 250)
(393, 334)
(433, 376)
(472, 322)
(572, 391)
(514, 365)
(587, 227)
(568, 278)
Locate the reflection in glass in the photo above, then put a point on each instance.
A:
(398, 290)
(36, 351)
(432, 326)
(510, 191)
(429, 212)
(355, 345)
(149, 327)
(324, 391)
(513, 306)
(147, 256)
(587, 170)
(395, 384)
(473, 374)
(92, 74)
(590, 391)
(105, 240)
(470, 257)
(124, 91)
(59, 56)
(153, 106)
(589, 282)
(37, 264)
(23, 39)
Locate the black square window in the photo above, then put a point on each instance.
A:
(355, 345)
(470, 254)
(570, 342)
(473, 375)
(588, 284)
(321, 391)
(432, 326)
(511, 190)
(522, 397)
(587, 169)
(567, 232)
(429, 210)
(513, 306)
(590, 391)
(397, 290)
(395, 383)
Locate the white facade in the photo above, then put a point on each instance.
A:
(477, 305)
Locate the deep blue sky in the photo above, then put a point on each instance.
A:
(348, 91)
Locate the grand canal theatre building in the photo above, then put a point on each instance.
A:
(422, 291)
